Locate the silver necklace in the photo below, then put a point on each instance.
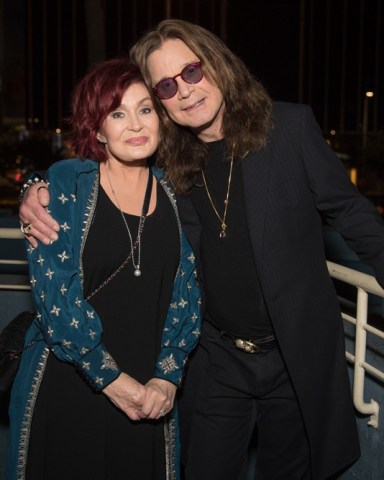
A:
(137, 270)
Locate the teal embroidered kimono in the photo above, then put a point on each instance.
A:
(67, 325)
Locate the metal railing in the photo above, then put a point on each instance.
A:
(12, 234)
(364, 284)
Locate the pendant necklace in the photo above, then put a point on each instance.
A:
(144, 211)
(224, 226)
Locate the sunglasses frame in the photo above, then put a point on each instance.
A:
(173, 79)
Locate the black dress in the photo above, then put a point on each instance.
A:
(79, 434)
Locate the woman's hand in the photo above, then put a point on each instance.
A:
(127, 394)
(159, 399)
(32, 212)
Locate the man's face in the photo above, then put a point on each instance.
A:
(198, 106)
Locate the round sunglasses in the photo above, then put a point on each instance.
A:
(167, 88)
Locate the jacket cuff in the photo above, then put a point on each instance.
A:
(170, 365)
(98, 368)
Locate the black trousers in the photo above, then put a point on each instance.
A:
(232, 399)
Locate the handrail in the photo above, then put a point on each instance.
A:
(364, 284)
(11, 233)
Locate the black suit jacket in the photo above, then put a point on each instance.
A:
(288, 187)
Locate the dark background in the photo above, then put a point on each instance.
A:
(326, 53)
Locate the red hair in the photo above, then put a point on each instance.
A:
(98, 93)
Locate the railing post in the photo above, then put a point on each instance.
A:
(371, 408)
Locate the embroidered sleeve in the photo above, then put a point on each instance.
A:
(71, 327)
(183, 322)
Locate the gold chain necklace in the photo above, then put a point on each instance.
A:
(224, 226)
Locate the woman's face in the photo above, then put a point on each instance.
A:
(131, 132)
(198, 106)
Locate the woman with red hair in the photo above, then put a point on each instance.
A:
(117, 305)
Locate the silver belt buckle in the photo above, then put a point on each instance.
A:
(246, 345)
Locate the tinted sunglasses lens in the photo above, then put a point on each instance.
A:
(167, 88)
(192, 73)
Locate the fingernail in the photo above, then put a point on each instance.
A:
(54, 237)
(56, 227)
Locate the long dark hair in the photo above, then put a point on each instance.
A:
(247, 114)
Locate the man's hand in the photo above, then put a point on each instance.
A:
(159, 399)
(32, 211)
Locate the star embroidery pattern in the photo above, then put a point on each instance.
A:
(92, 334)
(33, 281)
(30, 249)
(191, 258)
(63, 290)
(65, 227)
(49, 273)
(196, 332)
(42, 296)
(50, 331)
(73, 197)
(78, 302)
(63, 256)
(66, 343)
(86, 365)
(63, 198)
(90, 313)
(74, 323)
(194, 317)
(108, 362)
(182, 343)
(99, 380)
(169, 365)
(183, 303)
(55, 310)
(84, 350)
(40, 260)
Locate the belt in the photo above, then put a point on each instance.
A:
(257, 345)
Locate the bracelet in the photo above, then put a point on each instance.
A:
(31, 181)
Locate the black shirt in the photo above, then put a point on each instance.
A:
(234, 300)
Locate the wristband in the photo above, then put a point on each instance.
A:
(31, 181)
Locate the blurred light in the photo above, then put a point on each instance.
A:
(369, 94)
(333, 132)
(353, 175)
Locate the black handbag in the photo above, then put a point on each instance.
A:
(11, 347)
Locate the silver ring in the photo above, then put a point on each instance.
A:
(26, 229)
(162, 413)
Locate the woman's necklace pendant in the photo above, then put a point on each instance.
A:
(223, 234)
(137, 272)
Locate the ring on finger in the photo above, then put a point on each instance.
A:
(162, 413)
(26, 229)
